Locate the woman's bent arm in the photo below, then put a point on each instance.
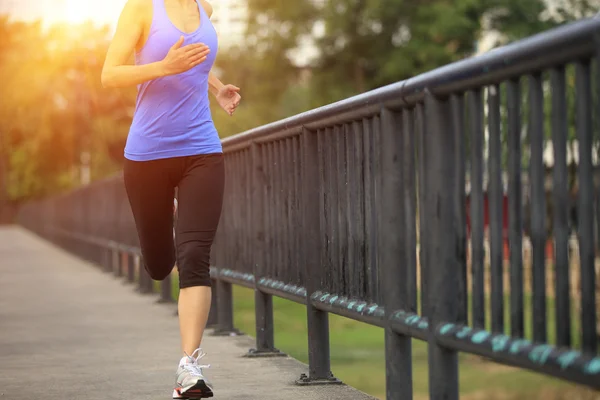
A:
(129, 30)
(130, 75)
(214, 84)
(116, 73)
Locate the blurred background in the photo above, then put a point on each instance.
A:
(60, 129)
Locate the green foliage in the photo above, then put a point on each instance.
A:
(54, 107)
(261, 66)
(365, 44)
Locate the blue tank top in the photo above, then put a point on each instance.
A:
(172, 115)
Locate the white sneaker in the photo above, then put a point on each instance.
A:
(191, 383)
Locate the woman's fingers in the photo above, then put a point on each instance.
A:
(198, 59)
(194, 48)
(198, 62)
(199, 55)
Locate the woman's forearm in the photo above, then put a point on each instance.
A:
(131, 75)
(214, 84)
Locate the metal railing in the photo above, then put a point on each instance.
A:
(358, 209)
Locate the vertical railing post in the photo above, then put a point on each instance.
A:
(495, 206)
(560, 211)
(422, 196)
(585, 203)
(116, 259)
(476, 200)
(98, 256)
(130, 267)
(318, 321)
(537, 177)
(109, 255)
(122, 263)
(444, 270)
(225, 309)
(515, 206)
(263, 302)
(393, 256)
(460, 218)
(166, 295)
(224, 295)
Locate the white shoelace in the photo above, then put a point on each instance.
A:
(193, 367)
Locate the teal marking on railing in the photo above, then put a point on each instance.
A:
(565, 360)
(517, 345)
(480, 337)
(593, 367)
(540, 353)
(464, 332)
(499, 343)
(446, 328)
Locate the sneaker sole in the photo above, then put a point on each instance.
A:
(199, 391)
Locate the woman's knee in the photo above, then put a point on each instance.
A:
(193, 262)
(159, 269)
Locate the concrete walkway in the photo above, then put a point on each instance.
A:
(69, 331)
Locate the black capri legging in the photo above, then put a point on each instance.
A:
(151, 187)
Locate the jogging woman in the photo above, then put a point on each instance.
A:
(173, 143)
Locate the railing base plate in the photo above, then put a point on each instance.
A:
(253, 353)
(306, 381)
(226, 332)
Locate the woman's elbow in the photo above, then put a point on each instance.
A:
(107, 78)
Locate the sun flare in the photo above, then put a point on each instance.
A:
(76, 11)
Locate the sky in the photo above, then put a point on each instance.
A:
(106, 12)
(99, 11)
(102, 12)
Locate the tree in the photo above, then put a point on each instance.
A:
(365, 44)
(53, 107)
(262, 65)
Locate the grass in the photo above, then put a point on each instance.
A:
(358, 358)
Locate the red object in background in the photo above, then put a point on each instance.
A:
(486, 214)
(486, 223)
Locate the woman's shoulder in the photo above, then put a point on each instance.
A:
(137, 11)
(140, 8)
(139, 5)
(207, 7)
